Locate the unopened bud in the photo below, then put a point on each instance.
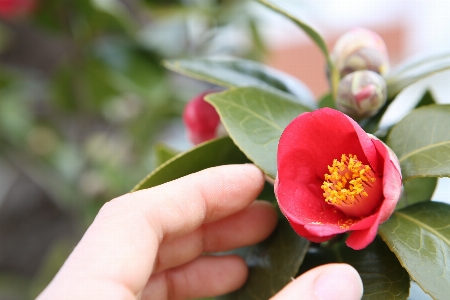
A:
(201, 120)
(361, 94)
(360, 49)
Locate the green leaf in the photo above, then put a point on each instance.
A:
(163, 153)
(118, 10)
(272, 264)
(382, 275)
(422, 142)
(426, 99)
(372, 124)
(289, 8)
(268, 193)
(415, 70)
(234, 72)
(419, 235)
(255, 119)
(396, 110)
(327, 101)
(213, 153)
(417, 190)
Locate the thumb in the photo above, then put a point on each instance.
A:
(327, 282)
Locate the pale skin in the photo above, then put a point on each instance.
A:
(151, 244)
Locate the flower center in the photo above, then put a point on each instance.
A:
(352, 186)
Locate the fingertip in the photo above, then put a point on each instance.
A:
(247, 168)
(254, 168)
(233, 275)
(327, 282)
(240, 268)
(338, 281)
(253, 172)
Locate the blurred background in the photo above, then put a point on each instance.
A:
(85, 101)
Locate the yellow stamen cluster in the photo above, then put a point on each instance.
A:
(347, 181)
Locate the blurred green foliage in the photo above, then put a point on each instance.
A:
(83, 98)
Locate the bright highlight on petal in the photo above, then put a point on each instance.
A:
(348, 185)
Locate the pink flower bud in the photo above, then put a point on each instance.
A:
(201, 120)
(360, 49)
(335, 178)
(361, 94)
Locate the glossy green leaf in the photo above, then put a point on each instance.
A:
(327, 101)
(417, 190)
(255, 119)
(118, 10)
(289, 9)
(415, 70)
(396, 110)
(372, 124)
(163, 153)
(426, 99)
(272, 264)
(397, 105)
(422, 142)
(213, 153)
(419, 235)
(382, 275)
(268, 193)
(234, 72)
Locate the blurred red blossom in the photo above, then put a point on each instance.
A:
(201, 120)
(10, 9)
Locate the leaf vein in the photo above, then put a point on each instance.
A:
(425, 226)
(444, 143)
(273, 124)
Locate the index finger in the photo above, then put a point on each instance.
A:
(179, 207)
(116, 255)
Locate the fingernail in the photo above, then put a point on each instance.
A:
(337, 283)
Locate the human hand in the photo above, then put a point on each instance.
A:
(149, 243)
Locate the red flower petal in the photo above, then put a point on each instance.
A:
(366, 144)
(392, 183)
(360, 239)
(392, 180)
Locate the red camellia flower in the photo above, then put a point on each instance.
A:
(333, 177)
(201, 120)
